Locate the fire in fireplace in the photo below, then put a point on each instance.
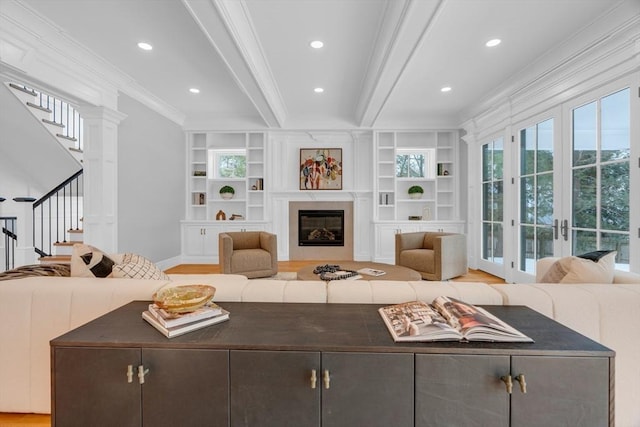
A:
(321, 228)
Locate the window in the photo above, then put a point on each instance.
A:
(419, 164)
(227, 164)
(492, 201)
(600, 176)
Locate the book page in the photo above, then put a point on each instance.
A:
(416, 321)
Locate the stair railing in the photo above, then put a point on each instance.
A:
(62, 115)
(57, 212)
(10, 240)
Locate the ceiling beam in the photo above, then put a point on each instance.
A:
(228, 27)
(403, 29)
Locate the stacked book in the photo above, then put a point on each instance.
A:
(172, 324)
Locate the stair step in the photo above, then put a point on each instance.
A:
(77, 150)
(70, 138)
(61, 259)
(36, 106)
(67, 243)
(51, 122)
(74, 230)
(22, 89)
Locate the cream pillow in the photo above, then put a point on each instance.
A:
(88, 261)
(135, 266)
(579, 270)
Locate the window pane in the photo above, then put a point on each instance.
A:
(498, 255)
(527, 200)
(231, 166)
(498, 196)
(416, 166)
(614, 197)
(544, 213)
(527, 245)
(498, 159)
(584, 241)
(544, 247)
(545, 146)
(486, 162)
(487, 199)
(620, 243)
(527, 151)
(584, 135)
(402, 166)
(487, 241)
(615, 117)
(584, 198)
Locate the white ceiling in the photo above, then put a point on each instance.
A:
(383, 63)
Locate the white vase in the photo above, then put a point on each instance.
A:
(415, 195)
(226, 196)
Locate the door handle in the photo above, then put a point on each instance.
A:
(564, 229)
(555, 229)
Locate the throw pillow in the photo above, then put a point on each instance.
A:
(575, 269)
(88, 261)
(136, 266)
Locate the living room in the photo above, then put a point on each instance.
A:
(392, 73)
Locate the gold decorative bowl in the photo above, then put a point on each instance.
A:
(184, 298)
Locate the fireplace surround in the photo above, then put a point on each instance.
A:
(324, 221)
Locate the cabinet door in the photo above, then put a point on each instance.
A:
(210, 241)
(273, 388)
(367, 389)
(461, 390)
(193, 237)
(386, 240)
(186, 387)
(561, 391)
(90, 387)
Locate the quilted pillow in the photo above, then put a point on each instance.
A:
(88, 261)
(575, 269)
(134, 266)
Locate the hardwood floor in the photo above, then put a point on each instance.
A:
(43, 420)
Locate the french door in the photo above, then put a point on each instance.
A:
(572, 182)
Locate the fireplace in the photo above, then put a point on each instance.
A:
(321, 228)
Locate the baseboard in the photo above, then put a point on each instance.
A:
(170, 262)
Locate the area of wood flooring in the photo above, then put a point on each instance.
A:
(40, 420)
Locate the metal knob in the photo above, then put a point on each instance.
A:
(314, 378)
(326, 379)
(523, 383)
(508, 382)
(130, 373)
(141, 373)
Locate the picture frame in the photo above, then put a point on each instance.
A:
(320, 169)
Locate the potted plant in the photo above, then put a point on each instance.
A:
(227, 192)
(415, 192)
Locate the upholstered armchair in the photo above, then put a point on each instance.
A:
(250, 253)
(435, 255)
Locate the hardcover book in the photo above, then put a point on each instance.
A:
(446, 319)
(183, 329)
(169, 319)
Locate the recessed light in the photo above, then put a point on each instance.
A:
(446, 89)
(493, 42)
(145, 46)
(194, 90)
(316, 44)
(318, 90)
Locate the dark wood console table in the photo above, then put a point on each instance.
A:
(324, 364)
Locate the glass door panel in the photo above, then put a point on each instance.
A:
(493, 204)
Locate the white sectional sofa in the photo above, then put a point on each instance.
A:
(34, 310)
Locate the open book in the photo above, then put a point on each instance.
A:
(446, 319)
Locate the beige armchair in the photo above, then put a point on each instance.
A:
(250, 253)
(436, 256)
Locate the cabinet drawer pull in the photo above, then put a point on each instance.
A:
(141, 373)
(130, 373)
(326, 378)
(314, 378)
(508, 382)
(523, 383)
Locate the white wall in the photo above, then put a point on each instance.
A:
(151, 182)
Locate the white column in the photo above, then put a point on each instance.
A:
(100, 160)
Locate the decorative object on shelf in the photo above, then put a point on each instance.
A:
(227, 192)
(321, 169)
(221, 216)
(415, 192)
(235, 216)
(445, 173)
(259, 184)
(426, 213)
(415, 218)
(199, 173)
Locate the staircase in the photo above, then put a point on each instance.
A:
(57, 216)
(57, 116)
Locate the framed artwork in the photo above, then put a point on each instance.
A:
(321, 169)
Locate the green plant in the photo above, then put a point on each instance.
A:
(227, 189)
(415, 189)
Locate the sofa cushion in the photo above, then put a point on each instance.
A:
(250, 260)
(89, 261)
(575, 269)
(136, 266)
(53, 269)
(418, 259)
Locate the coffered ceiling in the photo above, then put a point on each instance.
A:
(383, 64)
